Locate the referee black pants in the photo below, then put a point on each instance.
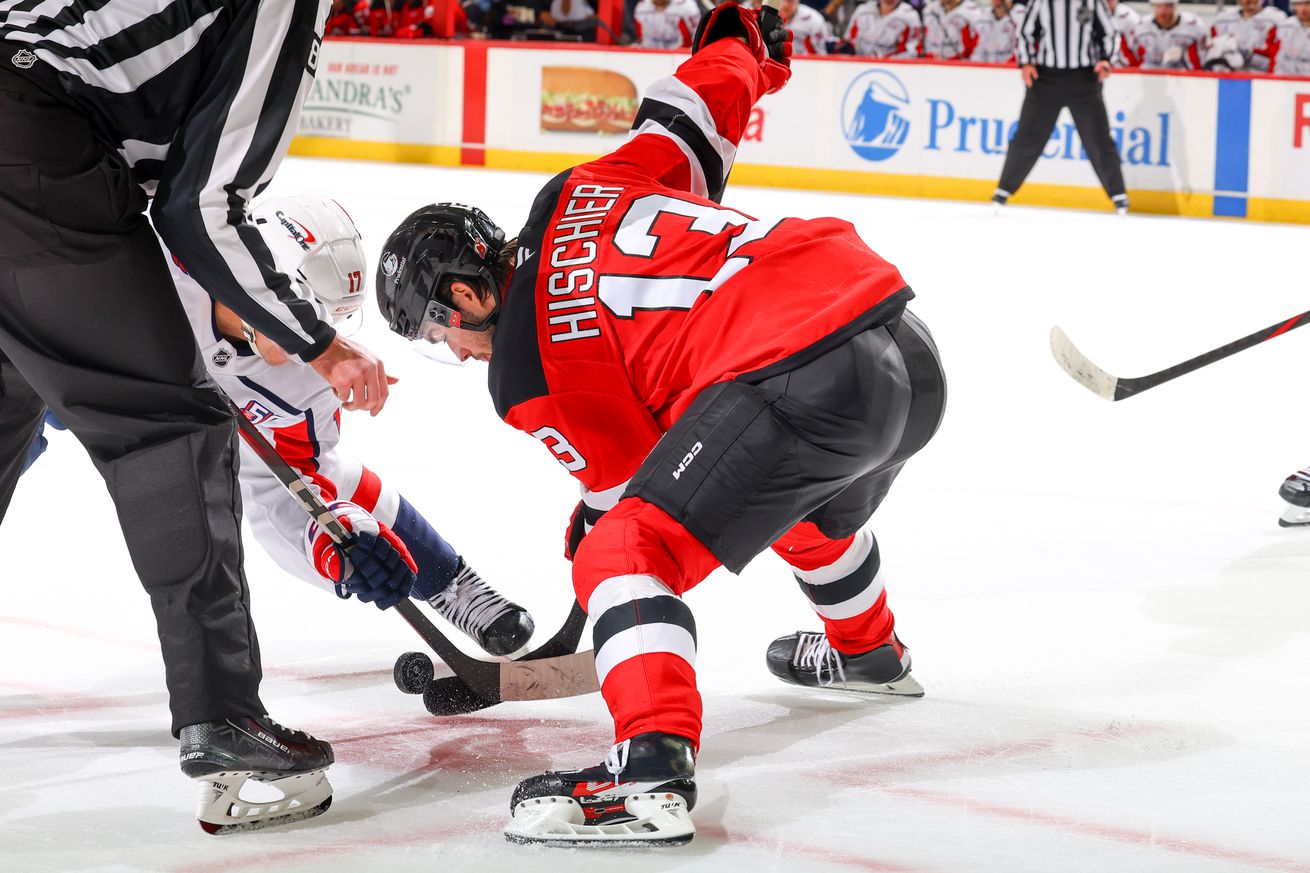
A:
(1080, 90)
(91, 327)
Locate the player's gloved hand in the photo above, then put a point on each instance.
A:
(378, 568)
(384, 569)
(728, 20)
(777, 43)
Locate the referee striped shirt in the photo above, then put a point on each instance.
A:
(201, 98)
(1066, 34)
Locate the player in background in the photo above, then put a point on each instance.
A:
(1168, 40)
(719, 385)
(949, 33)
(997, 29)
(1244, 38)
(885, 29)
(810, 31)
(1125, 20)
(317, 243)
(665, 24)
(1292, 55)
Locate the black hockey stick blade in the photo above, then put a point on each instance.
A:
(549, 676)
(1103, 384)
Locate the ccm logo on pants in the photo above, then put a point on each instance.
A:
(686, 461)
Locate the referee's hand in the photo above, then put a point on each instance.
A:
(1029, 75)
(1102, 70)
(355, 374)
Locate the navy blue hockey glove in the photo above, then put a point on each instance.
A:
(383, 574)
(378, 568)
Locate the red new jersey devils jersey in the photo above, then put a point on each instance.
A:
(635, 289)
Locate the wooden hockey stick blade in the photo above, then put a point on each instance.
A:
(1077, 365)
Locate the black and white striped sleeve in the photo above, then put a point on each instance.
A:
(1029, 32)
(235, 134)
(1104, 32)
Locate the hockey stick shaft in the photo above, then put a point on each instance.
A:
(486, 678)
(1111, 387)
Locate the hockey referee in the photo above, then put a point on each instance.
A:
(185, 106)
(1065, 48)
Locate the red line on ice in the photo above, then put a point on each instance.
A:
(1151, 839)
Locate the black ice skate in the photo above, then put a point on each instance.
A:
(470, 604)
(641, 795)
(222, 755)
(1295, 490)
(805, 658)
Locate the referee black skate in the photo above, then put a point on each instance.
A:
(1064, 51)
(189, 103)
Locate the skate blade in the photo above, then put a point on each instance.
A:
(1295, 516)
(222, 810)
(658, 820)
(219, 830)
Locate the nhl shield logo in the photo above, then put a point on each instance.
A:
(390, 263)
(23, 59)
(221, 358)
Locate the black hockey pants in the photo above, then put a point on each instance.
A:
(91, 326)
(1080, 90)
(821, 442)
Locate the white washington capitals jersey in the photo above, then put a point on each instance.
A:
(301, 416)
(1178, 48)
(949, 36)
(996, 36)
(1255, 36)
(898, 34)
(1293, 55)
(668, 28)
(1125, 20)
(810, 31)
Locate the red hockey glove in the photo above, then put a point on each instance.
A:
(377, 569)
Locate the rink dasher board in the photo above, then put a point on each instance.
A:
(1193, 144)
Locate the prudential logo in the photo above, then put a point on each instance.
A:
(873, 115)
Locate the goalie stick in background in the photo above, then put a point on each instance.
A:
(718, 385)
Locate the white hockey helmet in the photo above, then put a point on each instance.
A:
(314, 239)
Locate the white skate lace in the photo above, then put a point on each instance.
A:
(1301, 475)
(617, 759)
(469, 603)
(814, 653)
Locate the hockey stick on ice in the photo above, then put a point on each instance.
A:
(538, 676)
(1099, 382)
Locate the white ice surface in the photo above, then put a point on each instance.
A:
(1110, 626)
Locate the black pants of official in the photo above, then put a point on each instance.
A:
(91, 327)
(821, 442)
(1080, 90)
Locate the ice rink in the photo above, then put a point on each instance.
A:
(1110, 625)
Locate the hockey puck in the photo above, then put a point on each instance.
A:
(413, 672)
(449, 695)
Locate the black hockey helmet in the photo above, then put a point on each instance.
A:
(430, 248)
